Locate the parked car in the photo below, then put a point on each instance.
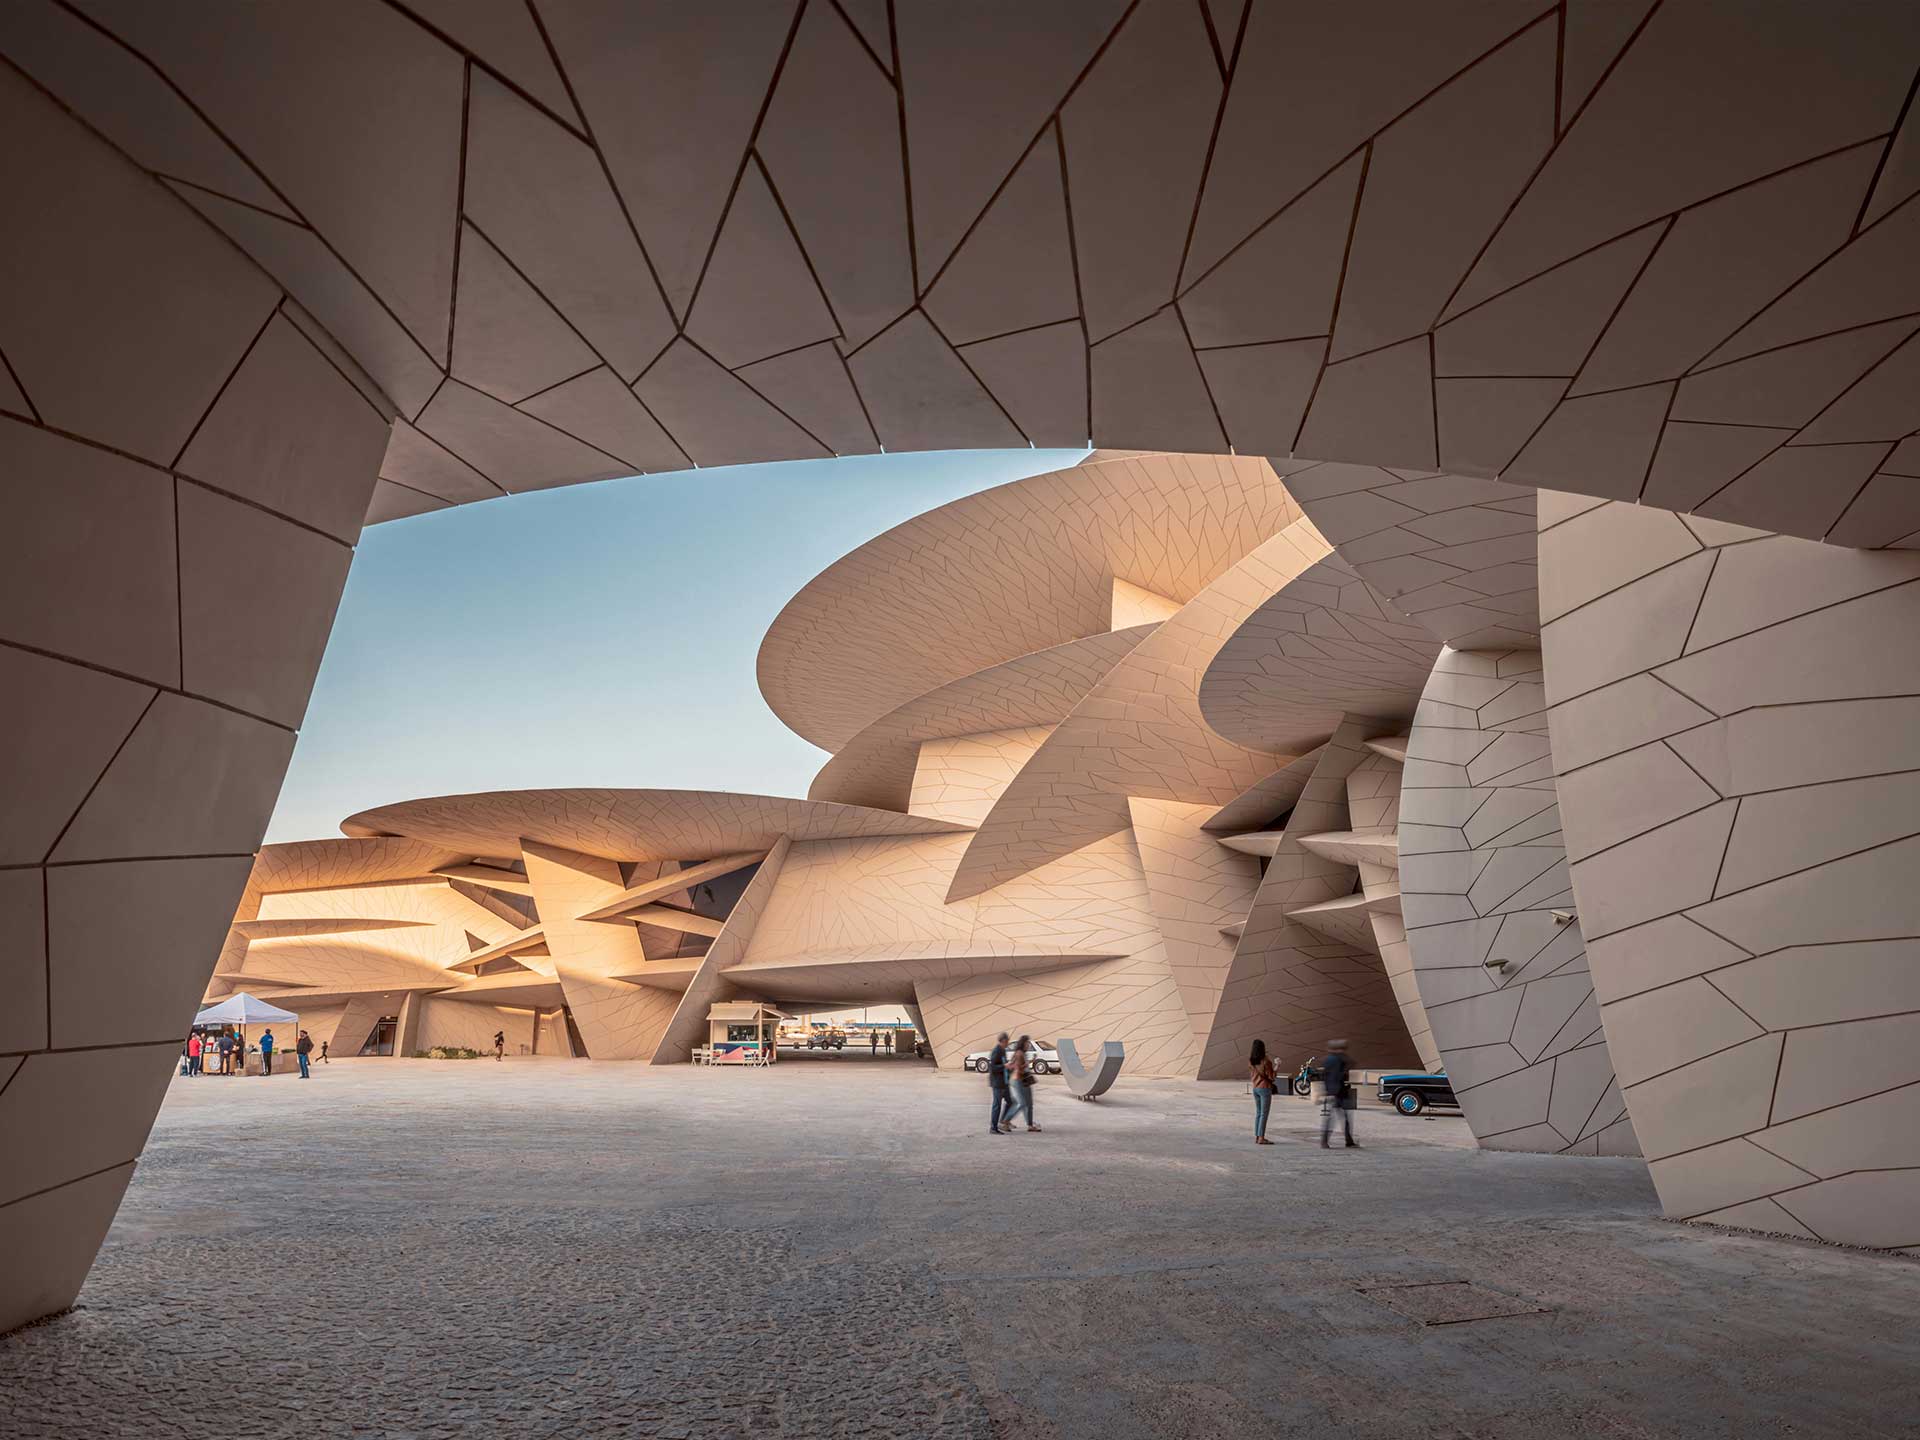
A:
(827, 1040)
(1412, 1091)
(1045, 1060)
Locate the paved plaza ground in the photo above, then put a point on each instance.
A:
(837, 1247)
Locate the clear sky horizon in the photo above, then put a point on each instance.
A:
(596, 635)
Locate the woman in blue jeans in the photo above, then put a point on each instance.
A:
(1260, 1076)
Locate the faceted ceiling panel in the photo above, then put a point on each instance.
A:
(1545, 244)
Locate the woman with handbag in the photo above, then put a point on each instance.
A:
(1262, 1080)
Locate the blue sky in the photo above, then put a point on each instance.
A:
(592, 635)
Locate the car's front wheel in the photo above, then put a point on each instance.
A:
(1409, 1102)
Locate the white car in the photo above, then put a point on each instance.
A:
(1044, 1059)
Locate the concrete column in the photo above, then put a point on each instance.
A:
(184, 473)
(1736, 733)
(406, 1035)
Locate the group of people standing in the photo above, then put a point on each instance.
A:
(226, 1054)
(1010, 1077)
(1337, 1095)
(222, 1054)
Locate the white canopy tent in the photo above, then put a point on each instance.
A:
(240, 1008)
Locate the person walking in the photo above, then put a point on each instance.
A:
(266, 1053)
(304, 1049)
(194, 1047)
(997, 1082)
(1339, 1093)
(1022, 1068)
(873, 1044)
(323, 1054)
(499, 1045)
(1260, 1076)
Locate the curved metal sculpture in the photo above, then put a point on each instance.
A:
(1090, 1084)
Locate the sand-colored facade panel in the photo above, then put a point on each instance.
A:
(877, 767)
(1323, 645)
(618, 1018)
(1139, 732)
(48, 1241)
(960, 778)
(1020, 569)
(1495, 943)
(628, 825)
(452, 1024)
(155, 662)
(1716, 977)
(1199, 888)
(863, 894)
(1451, 552)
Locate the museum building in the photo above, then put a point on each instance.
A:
(1557, 667)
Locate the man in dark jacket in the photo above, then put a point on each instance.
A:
(1333, 1078)
(304, 1050)
(997, 1080)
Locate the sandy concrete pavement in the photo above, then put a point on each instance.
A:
(838, 1247)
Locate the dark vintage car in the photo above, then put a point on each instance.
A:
(1412, 1091)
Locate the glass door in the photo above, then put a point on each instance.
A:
(380, 1038)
